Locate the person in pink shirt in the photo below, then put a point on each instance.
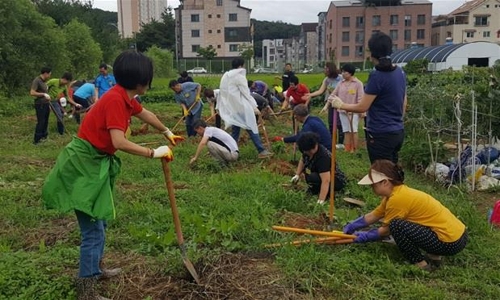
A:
(350, 90)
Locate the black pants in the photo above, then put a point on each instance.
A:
(218, 121)
(384, 145)
(85, 103)
(411, 237)
(314, 182)
(42, 110)
(340, 132)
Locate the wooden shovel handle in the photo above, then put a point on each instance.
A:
(173, 204)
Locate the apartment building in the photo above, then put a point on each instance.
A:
(273, 53)
(474, 21)
(133, 13)
(351, 23)
(321, 33)
(223, 24)
(308, 40)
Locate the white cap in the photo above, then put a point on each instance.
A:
(376, 176)
(63, 101)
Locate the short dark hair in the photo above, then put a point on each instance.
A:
(45, 70)
(288, 64)
(68, 76)
(184, 74)
(132, 68)
(103, 66)
(208, 93)
(307, 141)
(250, 83)
(301, 110)
(199, 123)
(294, 80)
(237, 62)
(349, 69)
(173, 83)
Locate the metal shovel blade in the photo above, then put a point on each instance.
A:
(177, 222)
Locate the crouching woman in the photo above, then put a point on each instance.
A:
(415, 219)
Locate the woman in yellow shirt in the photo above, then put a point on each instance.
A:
(415, 219)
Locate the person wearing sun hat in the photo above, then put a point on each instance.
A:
(415, 219)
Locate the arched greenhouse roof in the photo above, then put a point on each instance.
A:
(435, 54)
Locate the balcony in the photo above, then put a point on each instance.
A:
(481, 24)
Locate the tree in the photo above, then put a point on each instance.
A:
(83, 52)
(208, 53)
(28, 41)
(159, 33)
(246, 51)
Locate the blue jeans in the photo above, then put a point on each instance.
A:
(253, 136)
(92, 244)
(190, 121)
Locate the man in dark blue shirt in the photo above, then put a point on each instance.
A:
(310, 124)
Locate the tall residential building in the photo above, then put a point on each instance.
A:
(477, 20)
(321, 32)
(223, 24)
(350, 25)
(133, 13)
(308, 41)
(273, 54)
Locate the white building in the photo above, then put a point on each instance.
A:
(452, 56)
(273, 54)
(133, 13)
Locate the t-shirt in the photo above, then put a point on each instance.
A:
(221, 137)
(418, 207)
(331, 84)
(87, 90)
(187, 96)
(321, 162)
(316, 125)
(112, 111)
(103, 83)
(286, 79)
(386, 112)
(350, 91)
(297, 93)
(55, 89)
(39, 86)
(260, 87)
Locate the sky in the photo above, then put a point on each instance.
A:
(289, 11)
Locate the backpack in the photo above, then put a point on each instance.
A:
(494, 218)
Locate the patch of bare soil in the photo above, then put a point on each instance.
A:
(291, 219)
(230, 276)
(281, 167)
(50, 233)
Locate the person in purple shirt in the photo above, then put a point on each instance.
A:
(384, 101)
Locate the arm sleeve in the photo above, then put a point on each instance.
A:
(373, 86)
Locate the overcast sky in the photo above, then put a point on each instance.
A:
(294, 12)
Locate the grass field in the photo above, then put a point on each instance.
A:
(227, 217)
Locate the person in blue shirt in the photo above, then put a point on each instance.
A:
(311, 124)
(384, 101)
(104, 81)
(85, 95)
(187, 94)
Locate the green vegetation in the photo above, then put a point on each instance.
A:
(225, 214)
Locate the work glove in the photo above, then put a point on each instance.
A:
(278, 139)
(185, 112)
(198, 98)
(366, 236)
(295, 179)
(163, 152)
(46, 96)
(256, 111)
(172, 137)
(321, 202)
(336, 102)
(355, 225)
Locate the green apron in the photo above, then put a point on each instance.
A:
(83, 179)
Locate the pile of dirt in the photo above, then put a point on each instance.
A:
(291, 219)
(281, 167)
(230, 276)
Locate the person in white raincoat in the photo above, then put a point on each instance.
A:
(237, 107)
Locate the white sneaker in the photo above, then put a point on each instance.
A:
(339, 146)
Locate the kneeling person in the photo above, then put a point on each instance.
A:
(315, 164)
(220, 144)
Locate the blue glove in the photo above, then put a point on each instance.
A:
(355, 225)
(366, 236)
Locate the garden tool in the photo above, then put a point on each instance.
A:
(184, 117)
(334, 233)
(327, 240)
(261, 121)
(177, 222)
(211, 117)
(332, 170)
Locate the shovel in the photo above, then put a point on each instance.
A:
(177, 222)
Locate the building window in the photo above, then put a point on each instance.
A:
(233, 48)
(470, 34)
(233, 33)
(330, 38)
(360, 37)
(218, 30)
(420, 19)
(359, 51)
(394, 47)
(345, 50)
(218, 46)
(420, 34)
(407, 34)
(210, 31)
(360, 22)
(345, 36)
(233, 17)
(481, 21)
(195, 48)
(407, 20)
(219, 2)
(195, 33)
(210, 16)
(394, 20)
(195, 18)
(330, 24)
(376, 20)
(346, 22)
(218, 16)
(486, 34)
(393, 34)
